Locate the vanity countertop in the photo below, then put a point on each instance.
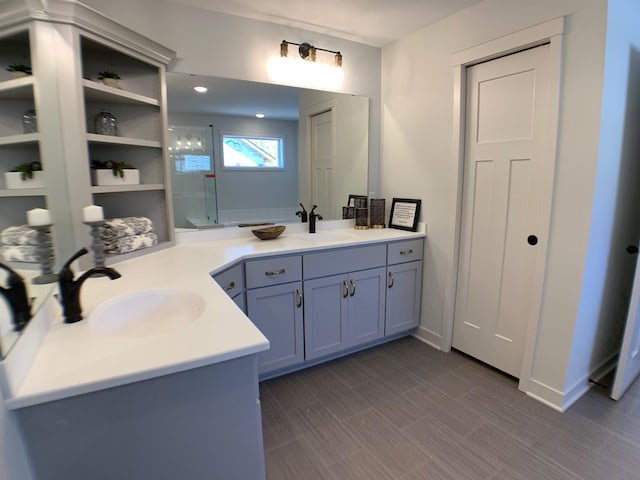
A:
(74, 360)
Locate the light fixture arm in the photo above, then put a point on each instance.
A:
(308, 51)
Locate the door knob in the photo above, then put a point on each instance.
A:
(632, 249)
(532, 240)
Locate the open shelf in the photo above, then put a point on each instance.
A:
(126, 188)
(23, 192)
(98, 92)
(123, 141)
(17, 88)
(20, 139)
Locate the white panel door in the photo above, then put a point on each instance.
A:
(322, 168)
(628, 367)
(507, 172)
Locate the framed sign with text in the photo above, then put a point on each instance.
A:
(404, 214)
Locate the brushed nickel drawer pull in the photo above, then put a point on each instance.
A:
(298, 298)
(345, 289)
(278, 272)
(406, 252)
(390, 284)
(231, 286)
(353, 287)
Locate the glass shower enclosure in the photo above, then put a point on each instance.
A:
(193, 177)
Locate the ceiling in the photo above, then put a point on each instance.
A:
(372, 22)
(230, 97)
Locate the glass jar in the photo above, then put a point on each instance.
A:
(106, 124)
(30, 121)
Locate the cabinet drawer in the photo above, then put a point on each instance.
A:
(405, 251)
(273, 271)
(231, 280)
(333, 262)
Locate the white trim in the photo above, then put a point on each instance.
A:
(546, 394)
(548, 32)
(511, 43)
(93, 23)
(427, 336)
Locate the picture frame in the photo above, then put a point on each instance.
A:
(358, 201)
(405, 213)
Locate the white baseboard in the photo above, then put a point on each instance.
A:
(561, 401)
(427, 336)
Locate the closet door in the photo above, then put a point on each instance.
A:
(507, 175)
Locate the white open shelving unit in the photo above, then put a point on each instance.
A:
(67, 51)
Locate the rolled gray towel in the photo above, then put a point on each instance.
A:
(19, 235)
(130, 243)
(19, 253)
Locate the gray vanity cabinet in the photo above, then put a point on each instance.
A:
(404, 286)
(344, 298)
(232, 282)
(274, 305)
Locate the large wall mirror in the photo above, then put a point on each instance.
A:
(230, 167)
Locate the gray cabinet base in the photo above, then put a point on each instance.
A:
(198, 424)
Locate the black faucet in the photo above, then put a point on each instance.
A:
(16, 295)
(70, 288)
(302, 214)
(312, 219)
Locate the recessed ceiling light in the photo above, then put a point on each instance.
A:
(260, 115)
(201, 89)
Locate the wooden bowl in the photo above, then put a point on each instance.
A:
(269, 233)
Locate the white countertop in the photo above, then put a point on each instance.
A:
(73, 359)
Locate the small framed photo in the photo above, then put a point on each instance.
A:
(357, 201)
(404, 214)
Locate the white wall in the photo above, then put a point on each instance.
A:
(417, 80)
(614, 224)
(250, 190)
(228, 46)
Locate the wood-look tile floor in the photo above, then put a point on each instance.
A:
(406, 411)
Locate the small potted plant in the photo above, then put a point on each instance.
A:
(25, 175)
(114, 173)
(109, 78)
(19, 70)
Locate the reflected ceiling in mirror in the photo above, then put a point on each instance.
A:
(226, 96)
(223, 196)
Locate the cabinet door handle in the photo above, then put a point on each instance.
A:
(298, 298)
(231, 286)
(390, 284)
(345, 289)
(277, 272)
(353, 287)
(406, 252)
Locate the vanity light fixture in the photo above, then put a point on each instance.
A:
(201, 89)
(309, 52)
(260, 115)
(308, 70)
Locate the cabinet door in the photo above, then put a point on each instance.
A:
(404, 289)
(277, 312)
(366, 305)
(325, 314)
(240, 301)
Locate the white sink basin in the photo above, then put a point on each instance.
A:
(146, 312)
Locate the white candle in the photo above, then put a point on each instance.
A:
(92, 213)
(38, 217)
